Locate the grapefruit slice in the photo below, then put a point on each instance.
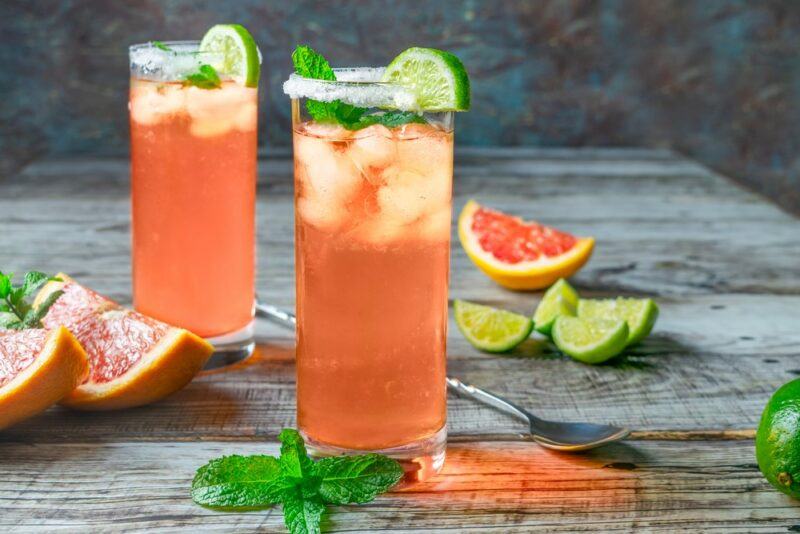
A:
(519, 254)
(37, 369)
(133, 359)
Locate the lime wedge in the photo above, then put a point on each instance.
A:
(559, 299)
(239, 53)
(490, 329)
(437, 79)
(590, 340)
(640, 314)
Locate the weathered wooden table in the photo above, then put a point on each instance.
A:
(723, 264)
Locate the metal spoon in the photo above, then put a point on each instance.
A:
(550, 434)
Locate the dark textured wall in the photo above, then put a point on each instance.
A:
(716, 79)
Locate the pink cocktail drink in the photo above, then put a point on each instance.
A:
(193, 181)
(373, 213)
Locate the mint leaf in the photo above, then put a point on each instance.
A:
(15, 311)
(16, 301)
(390, 119)
(294, 461)
(5, 284)
(309, 63)
(321, 111)
(239, 482)
(356, 479)
(33, 281)
(348, 115)
(205, 78)
(161, 46)
(234, 483)
(33, 317)
(302, 514)
(10, 321)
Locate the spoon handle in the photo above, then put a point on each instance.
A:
(487, 398)
(276, 315)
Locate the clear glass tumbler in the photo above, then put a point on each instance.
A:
(372, 217)
(193, 184)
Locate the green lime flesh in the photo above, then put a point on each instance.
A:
(590, 340)
(639, 314)
(559, 299)
(238, 50)
(490, 329)
(437, 79)
(778, 439)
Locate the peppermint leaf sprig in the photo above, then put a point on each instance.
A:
(16, 313)
(301, 485)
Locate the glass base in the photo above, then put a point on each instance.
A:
(231, 348)
(420, 459)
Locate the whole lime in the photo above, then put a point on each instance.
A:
(778, 439)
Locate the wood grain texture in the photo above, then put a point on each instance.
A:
(723, 264)
(492, 487)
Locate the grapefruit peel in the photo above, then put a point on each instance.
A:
(165, 367)
(58, 368)
(523, 275)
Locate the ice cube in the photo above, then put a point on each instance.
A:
(436, 226)
(219, 103)
(410, 194)
(150, 101)
(331, 132)
(402, 200)
(320, 213)
(423, 148)
(210, 126)
(247, 117)
(373, 148)
(328, 170)
(415, 130)
(327, 180)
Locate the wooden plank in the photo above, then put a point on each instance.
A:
(688, 376)
(724, 265)
(494, 487)
(667, 232)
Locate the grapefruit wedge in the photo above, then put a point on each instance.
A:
(37, 369)
(519, 254)
(133, 359)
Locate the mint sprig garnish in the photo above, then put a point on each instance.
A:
(311, 64)
(16, 313)
(206, 77)
(303, 486)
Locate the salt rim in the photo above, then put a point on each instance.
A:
(152, 63)
(360, 87)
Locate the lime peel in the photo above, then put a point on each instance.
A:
(560, 299)
(639, 314)
(590, 340)
(437, 79)
(241, 58)
(490, 329)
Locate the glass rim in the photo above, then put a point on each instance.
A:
(361, 87)
(192, 47)
(349, 72)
